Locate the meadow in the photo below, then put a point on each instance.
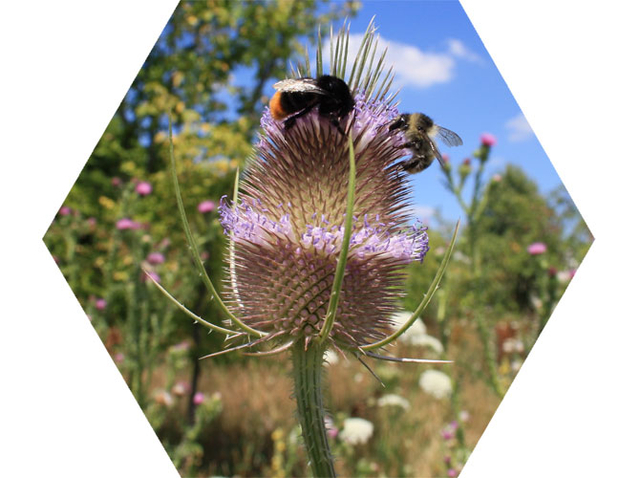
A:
(233, 415)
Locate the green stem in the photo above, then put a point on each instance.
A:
(489, 355)
(307, 375)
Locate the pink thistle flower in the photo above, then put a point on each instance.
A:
(488, 139)
(198, 398)
(332, 431)
(152, 274)
(447, 434)
(155, 258)
(537, 248)
(64, 211)
(126, 223)
(101, 304)
(451, 473)
(119, 357)
(143, 188)
(206, 206)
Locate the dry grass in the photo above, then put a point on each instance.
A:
(256, 396)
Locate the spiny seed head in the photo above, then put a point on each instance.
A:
(288, 223)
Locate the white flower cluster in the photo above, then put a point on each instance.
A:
(356, 431)
(393, 400)
(436, 383)
(417, 333)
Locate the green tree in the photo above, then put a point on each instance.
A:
(516, 215)
(210, 68)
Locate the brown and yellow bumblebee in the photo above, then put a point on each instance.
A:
(420, 132)
(295, 97)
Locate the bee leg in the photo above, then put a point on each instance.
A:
(336, 123)
(333, 119)
(289, 122)
(414, 165)
(416, 144)
(399, 122)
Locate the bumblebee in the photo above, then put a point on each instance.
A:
(294, 98)
(420, 132)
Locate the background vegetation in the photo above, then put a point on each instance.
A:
(233, 415)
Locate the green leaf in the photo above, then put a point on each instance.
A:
(344, 252)
(193, 248)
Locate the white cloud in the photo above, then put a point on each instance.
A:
(412, 66)
(519, 129)
(459, 50)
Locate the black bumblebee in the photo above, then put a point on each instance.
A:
(294, 98)
(420, 132)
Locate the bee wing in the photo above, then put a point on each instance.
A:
(299, 85)
(436, 151)
(448, 137)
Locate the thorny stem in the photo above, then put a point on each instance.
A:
(307, 375)
(489, 355)
(473, 210)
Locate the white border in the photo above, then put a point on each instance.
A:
(64, 408)
(573, 409)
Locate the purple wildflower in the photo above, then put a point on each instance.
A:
(144, 188)
(537, 248)
(152, 275)
(206, 206)
(488, 139)
(101, 304)
(126, 223)
(447, 434)
(198, 398)
(288, 227)
(64, 211)
(155, 258)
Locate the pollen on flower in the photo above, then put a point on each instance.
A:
(288, 226)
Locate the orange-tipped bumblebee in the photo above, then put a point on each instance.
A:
(294, 98)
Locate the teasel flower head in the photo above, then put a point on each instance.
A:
(289, 220)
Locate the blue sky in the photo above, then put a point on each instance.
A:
(447, 74)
